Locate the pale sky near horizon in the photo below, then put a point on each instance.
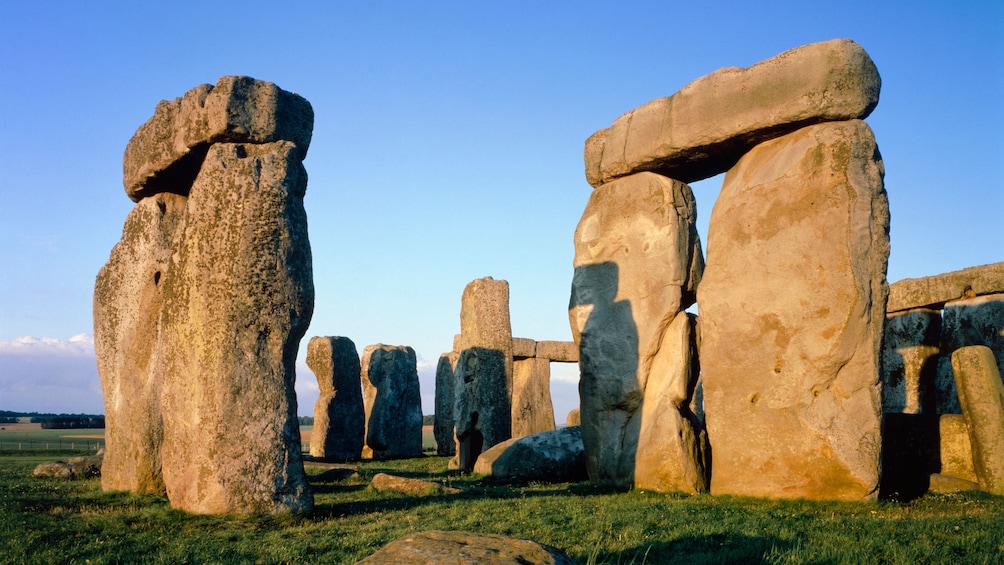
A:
(447, 146)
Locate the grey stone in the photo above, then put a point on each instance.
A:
(483, 386)
(552, 456)
(532, 410)
(705, 128)
(128, 298)
(792, 310)
(981, 395)
(165, 153)
(442, 427)
(382, 482)
(910, 361)
(935, 291)
(464, 548)
(558, 351)
(393, 402)
(339, 417)
(238, 297)
(970, 321)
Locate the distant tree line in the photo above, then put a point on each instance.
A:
(306, 420)
(55, 421)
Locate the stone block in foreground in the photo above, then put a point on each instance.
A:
(165, 153)
(792, 312)
(464, 548)
(238, 297)
(703, 129)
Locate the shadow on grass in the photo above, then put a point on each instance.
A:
(714, 548)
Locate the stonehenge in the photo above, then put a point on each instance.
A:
(392, 402)
(339, 416)
(200, 309)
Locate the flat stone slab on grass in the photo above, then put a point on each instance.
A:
(383, 482)
(703, 129)
(462, 548)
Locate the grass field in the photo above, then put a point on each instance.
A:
(60, 521)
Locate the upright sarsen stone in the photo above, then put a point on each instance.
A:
(339, 418)
(442, 427)
(238, 298)
(128, 297)
(392, 401)
(637, 264)
(532, 409)
(792, 306)
(981, 395)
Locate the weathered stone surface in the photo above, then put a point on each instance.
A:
(442, 427)
(165, 153)
(981, 395)
(339, 418)
(532, 410)
(463, 548)
(383, 482)
(637, 264)
(910, 361)
(970, 321)
(935, 291)
(393, 402)
(74, 468)
(792, 311)
(523, 348)
(945, 484)
(703, 129)
(559, 351)
(573, 418)
(128, 297)
(238, 297)
(672, 442)
(483, 388)
(552, 456)
(956, 454)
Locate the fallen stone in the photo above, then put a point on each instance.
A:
(442, 427)
(956, 453)
(82, 467)
(555, 456)
(393, 402)
(463, 548)
(339, 418)
(792, 313)
(910, 361)
(165, 153)
(672, 443)
(637, 264)
(935, 291)
(532, 410)
(383, 482)
(945, 484)
(981, 395)
(238, 297)
(705, 128)
(128, 298)
(483, 385)
(55, 469)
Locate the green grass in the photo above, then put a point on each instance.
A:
(60, 521)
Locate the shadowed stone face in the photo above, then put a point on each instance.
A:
(339, 418)
(392, 401)
(445, 385)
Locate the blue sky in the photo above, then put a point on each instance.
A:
(447, 146)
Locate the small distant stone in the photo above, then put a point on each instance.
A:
(383, 482)
(463, 548)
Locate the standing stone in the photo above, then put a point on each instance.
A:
(339, 418)
(976, 320)
(637, 265)
(910, 361)
(532, 410)
(793, 306)
(672, 442)
(956, 452)
(483, 386)
(573, 418)
(393, 402)
(703, 129)
(238, 298)
(167, 151)
(128, 297)
(981, 394)
(442, 427)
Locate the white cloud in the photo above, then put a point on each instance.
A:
(50, 375)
